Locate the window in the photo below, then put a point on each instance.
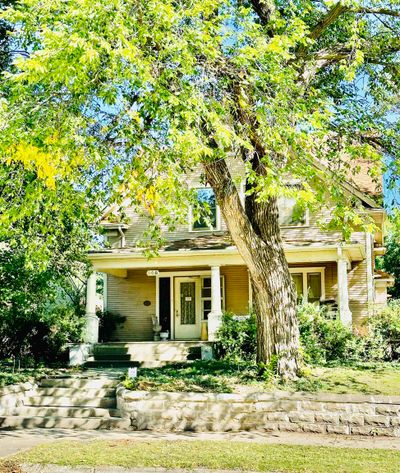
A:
(206, 296)
(209, 218)
(310, 284)
(291, 213)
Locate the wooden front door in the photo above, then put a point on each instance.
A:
(187, 308)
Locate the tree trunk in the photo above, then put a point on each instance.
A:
(255, 232)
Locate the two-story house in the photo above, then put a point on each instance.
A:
(199, 269)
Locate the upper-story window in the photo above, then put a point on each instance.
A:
(291, 214)
(210, 219)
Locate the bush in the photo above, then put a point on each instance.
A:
(36, 317)
(323, 339)
(384, 330)
(108, 322)
(237, 338)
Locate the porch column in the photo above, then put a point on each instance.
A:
(343, 290)
(91, 330)
(215, 316)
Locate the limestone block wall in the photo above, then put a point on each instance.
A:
(279, 411)
(13, 396)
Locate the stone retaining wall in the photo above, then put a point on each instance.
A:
(13, 395)
(293, 412)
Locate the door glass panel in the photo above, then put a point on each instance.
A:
(188, 303)
(298, 281)
(314, 287)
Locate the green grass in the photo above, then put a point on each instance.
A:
(214, 455)
(228, 377)
(8, 375)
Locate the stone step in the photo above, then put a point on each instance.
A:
(89, 423)
(70, 391)
(115, 356)
(45, 411)
(70, 401)
(111, 364)
(78, 383)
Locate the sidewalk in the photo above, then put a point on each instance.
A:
(15, 441)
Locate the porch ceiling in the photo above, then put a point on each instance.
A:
(118, 261)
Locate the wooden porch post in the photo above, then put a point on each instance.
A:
(215, 316)
(91, 331)
(343, 289)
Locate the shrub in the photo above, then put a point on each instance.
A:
(237, 339)
(323, 339)
(108, 322)
(384, 332)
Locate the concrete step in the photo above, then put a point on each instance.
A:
(78, 383)
(171, 351)
(45, 411)
(69, 392)
(111, 364)
(89, 423)
(110, 355)
(70, 401)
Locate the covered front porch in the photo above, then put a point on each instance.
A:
(184, 293)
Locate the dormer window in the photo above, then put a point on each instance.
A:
(291, 214)
(209, 220)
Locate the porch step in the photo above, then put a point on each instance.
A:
(145, 354)
(85, 401)
(86, 423)
(111, 364)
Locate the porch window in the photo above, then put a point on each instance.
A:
(209, 219)
(291, 214)
(310, 284)
(206, 296)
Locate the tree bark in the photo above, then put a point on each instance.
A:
(256, 234)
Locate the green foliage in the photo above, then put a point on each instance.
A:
(108, 322)
(237, 338)
(323, 339)
(96, 91)
(384, 330)
(390, 261)
(199, 376)
(36, 317)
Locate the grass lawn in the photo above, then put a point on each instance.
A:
(216, 454)
(223, 376)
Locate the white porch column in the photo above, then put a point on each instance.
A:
(91, 331)
(215, 316)
(343, 290)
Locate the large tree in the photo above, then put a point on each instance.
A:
(145, 91)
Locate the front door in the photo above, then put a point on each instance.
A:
(187, 308)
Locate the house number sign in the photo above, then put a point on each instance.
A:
(153, 272)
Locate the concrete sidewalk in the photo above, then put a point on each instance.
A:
(15, 441)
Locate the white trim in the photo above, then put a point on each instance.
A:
(105, 292)
(217, 216)
(311, 269)
(222, 277)
(370, 277)
(224, 257)
(158, 298)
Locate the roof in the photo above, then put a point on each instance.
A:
(360, 177)
(216, 241)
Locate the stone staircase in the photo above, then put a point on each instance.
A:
(79, 402)
(145, 354)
